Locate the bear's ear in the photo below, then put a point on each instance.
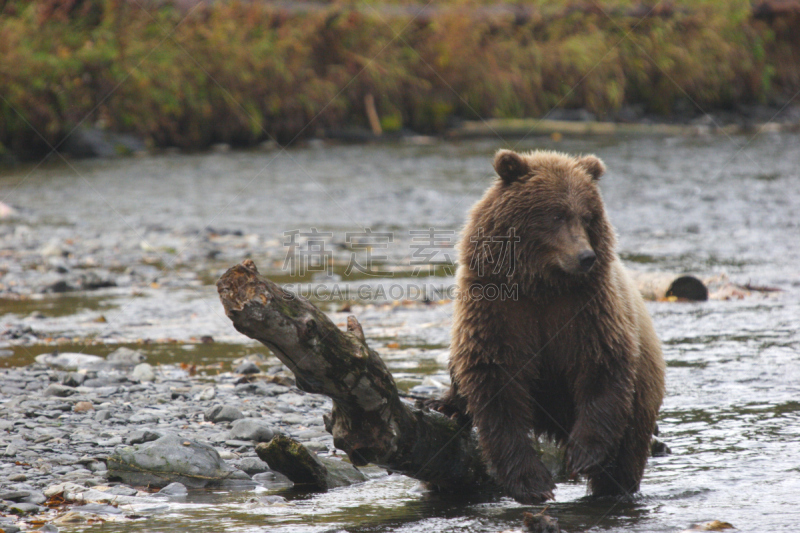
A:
(509, 166)
(593, 165)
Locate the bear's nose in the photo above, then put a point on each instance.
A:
(586, 259)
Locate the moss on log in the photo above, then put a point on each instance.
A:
(285, 455)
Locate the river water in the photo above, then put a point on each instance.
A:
(704, 205)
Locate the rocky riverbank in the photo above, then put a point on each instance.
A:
(86, 438)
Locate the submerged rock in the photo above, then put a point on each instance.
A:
(170, 459)
(253, 466)
(273, 480)
(174, 489)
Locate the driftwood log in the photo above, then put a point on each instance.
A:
(369, 421)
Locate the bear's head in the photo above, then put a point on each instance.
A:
(543, 220)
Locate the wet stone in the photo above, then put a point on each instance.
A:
(125, 357)
(317, 446)
(122, 490)
(74, 379)
(69, 360)
(9, 528)
(248, 367)
(207, 394)
(143, 372)
(141, 436)
(251, 429)
(260, 388)
(223, 413)
(82, 407)
(168, 459)
(273, 480)
(238, 443)
(24, 508)
(14, 495)
(252, 466)
(144, 418)
(97, 508)
(113, 441)
(60, 391)
(174, 489)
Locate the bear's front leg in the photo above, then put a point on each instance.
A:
(603, 409)
(500, 407)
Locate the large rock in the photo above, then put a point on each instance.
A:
(251, 429)
(69, 361)
(173, 459)
(223, 413)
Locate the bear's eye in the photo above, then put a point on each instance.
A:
(588, 219)
(558, 218)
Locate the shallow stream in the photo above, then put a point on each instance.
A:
(704, 205)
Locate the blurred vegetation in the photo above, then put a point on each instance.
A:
(241, 72)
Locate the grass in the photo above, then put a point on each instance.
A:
(242, 72)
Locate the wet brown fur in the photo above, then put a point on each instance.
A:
(574, 356)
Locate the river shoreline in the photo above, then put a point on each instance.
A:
(62, 421)
(753, 120)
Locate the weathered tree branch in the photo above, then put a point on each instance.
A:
(368, 421)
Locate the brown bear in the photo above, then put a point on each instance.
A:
(550, 336)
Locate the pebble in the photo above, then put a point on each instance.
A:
(74, 379)
(207, 394)
(248, 367)
(60, 391)
(143, 372)
(82, 407)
